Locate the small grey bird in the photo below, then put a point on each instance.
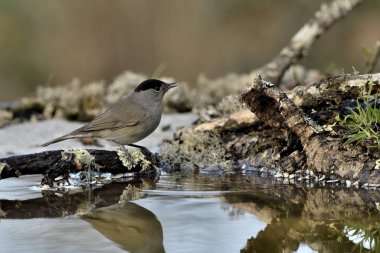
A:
(130, 120)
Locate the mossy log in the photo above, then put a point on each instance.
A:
(325, 156)
(62, 162)
(334, 90)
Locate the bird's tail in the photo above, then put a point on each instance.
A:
(62, 138)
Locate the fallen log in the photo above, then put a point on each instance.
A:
(63, 162)
(334, 89)
(323, 155)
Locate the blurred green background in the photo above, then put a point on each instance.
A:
(51, 42)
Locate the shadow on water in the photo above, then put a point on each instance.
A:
(323, 220)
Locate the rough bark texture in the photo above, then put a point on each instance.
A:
(322, 155)
(302, 41)
(60, 163)
(335, 89)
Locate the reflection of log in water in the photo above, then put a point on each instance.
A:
(315, 217)
(133, 227)
(58, 205)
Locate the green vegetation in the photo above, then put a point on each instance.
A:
(365, 236)
(362, 124)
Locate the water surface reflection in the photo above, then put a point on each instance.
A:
(195, 214)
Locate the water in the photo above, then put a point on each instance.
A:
(235, 213)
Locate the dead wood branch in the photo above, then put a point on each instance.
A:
(334, 89)
(302, 41)
(61, 163)
(273, 106)
(231, 122)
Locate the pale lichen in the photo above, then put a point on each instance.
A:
(131, 159)
(192, 151)
(129, 193)
(2, 166)
(83, 157)
(377, 164)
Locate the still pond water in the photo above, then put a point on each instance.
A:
(236, 213)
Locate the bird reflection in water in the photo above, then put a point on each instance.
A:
(133, 227)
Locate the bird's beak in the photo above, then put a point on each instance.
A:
(171, 85)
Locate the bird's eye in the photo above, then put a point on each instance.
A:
(157, 88)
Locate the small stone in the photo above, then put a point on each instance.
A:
(322, 178)
(291, 176)
(307, 177)
(264, 170)
(365, 185)
(120, 175)
(332, 181)
(278, 174)
(58, 194)
(348, 183)
(45, 187)
(286, 174)
(300, 178)
(58, 178)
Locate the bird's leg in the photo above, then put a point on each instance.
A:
(122, 148)
(143, 149)
(146, 152)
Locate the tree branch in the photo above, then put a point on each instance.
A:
(302, 41)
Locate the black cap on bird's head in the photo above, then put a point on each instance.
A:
(154, 84)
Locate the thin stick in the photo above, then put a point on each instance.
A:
(300, 44)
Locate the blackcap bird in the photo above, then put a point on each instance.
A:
(130, 120)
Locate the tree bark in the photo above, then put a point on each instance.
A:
(60, 163)
(273, 106)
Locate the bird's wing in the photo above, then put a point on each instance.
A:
(108, 124)
(116, 117)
